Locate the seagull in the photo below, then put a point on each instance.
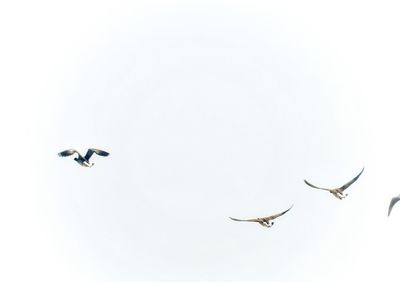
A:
(264, 221)
(392, 203)
(337, 192)
(83, 161)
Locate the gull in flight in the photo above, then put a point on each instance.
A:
(83, 160)
(392, 203)
(264, 221)
(337, 192)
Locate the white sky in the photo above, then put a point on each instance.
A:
(209, 109)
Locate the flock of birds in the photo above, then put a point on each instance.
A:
(264, 221)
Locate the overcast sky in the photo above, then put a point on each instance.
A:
(209, 109)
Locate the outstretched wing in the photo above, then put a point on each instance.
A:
(248, 220)
(392, 203)
(278, 214)
(344, 187)
(313, 186)
(68, 153)
(90, 152)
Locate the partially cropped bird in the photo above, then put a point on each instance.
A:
(337, 192)
(264, 221)
(83, 160)
(392, 203)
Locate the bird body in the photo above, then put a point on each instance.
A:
(80, 160)
(83, 160)
(337, 192)
(264, 221)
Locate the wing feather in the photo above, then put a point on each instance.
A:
(248, 220)
(347, 185)
(392, 203)
(313, 186)
(68, 153)
(278, 214)
(90, 152)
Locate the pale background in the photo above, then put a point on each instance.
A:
(209, 109)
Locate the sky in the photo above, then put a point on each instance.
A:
(209, 109)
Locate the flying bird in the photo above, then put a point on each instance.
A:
(264, 221)
(337, 192)
(84, 160)
(392, 203)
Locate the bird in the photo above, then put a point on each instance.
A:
(392, 203)
(84, 161)
(337, 192)
(264, 221)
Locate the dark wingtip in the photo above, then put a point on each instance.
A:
(103, 153)
(361, 172)
(289, 208)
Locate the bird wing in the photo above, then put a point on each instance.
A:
(68, 153)
(248, 220)
(278, 214)
(392, 203)
(347, 185)
(90, 152)
(313, 186)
